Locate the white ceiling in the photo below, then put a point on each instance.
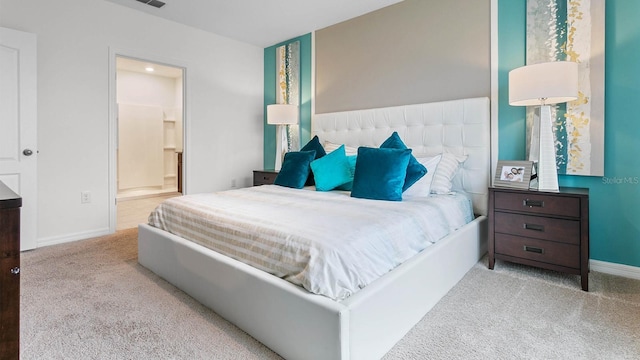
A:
(259, 22)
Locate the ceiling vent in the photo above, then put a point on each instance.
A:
(154, 3)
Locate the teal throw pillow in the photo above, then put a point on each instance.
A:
(415, 170)
(380, 173)
(352, 168)
(331, 170)
(295, 169)
(314, 144)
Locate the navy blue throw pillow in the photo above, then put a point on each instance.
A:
(380, 173)
(295, 169)
(415, 170)
(314, 144)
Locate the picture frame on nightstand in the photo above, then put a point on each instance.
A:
(514, 174)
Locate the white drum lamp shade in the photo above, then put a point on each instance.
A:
(281, 115)
(544, 84)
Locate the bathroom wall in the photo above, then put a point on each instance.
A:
(150, 133)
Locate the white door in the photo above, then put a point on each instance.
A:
(18, 125)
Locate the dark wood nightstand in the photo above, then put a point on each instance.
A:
(549, 230)
(264, 177)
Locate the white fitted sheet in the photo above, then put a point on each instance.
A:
(327, 242)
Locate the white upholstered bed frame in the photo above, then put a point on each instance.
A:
(299, 325)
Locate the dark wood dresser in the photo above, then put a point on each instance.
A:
(264, 177)
(549, 230)
(10, 204)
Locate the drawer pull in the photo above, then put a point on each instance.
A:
(265, 178)
(534, 249)
(15, 271)
(533, 203)
(533, 227)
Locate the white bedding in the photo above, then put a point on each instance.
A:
(327, 242)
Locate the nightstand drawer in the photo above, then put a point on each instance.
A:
(264, 177)
(529, 202)
(539, 227)
(538, 250)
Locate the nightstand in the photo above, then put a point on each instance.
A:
(549, 230)
(264, 177)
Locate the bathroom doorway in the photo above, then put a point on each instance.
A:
(149, 109)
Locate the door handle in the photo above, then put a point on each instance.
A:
(27, 152)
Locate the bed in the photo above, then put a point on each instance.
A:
(298, 324)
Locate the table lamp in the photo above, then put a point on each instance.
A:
(281, 115)
(542, 85)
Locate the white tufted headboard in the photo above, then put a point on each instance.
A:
(461, 127)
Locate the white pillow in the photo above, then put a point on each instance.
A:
(422, 187)
(349, 150)
(446, 170)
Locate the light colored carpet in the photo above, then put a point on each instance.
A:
(92, 300)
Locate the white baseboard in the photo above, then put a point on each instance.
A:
(55, 240)
(627, 271)
(143, 195)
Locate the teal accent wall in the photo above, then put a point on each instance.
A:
(511, 54)
(614, 198)
(270, 96)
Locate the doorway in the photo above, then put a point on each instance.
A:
(149, 142)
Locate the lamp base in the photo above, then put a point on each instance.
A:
(281, 146)
(533, 183)
(546, 169)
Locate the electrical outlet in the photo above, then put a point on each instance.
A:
(85, 197)
(233, 183)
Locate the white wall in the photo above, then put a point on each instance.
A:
(224, 88)
(147, 89)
